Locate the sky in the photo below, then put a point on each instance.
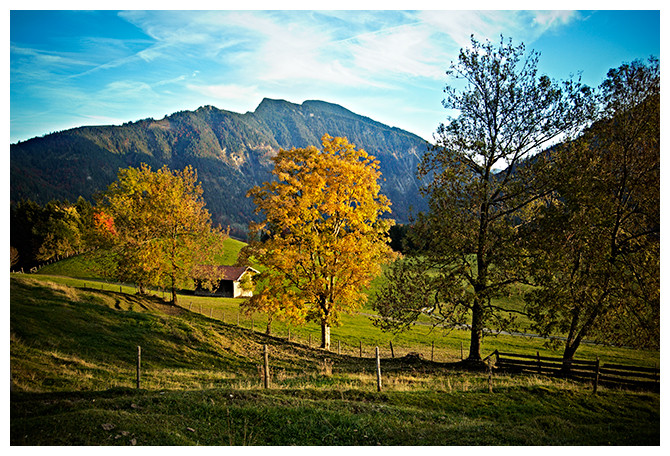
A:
(71, 68)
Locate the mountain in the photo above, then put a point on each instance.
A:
(230, 151)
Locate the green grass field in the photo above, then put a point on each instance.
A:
(534, 415)
(356, 329)
(73, 351)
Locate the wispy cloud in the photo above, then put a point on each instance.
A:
(342, 48)
(407, 50)
(45, 58)
(548, 20)
(234, 58)
(227, 92)
(522, 26)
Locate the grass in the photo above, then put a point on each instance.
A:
(73, 352)
(430, 343)
(358, 329)
(518, 416)
(231, 250)
(85, 266)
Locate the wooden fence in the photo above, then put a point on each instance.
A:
(605, 374)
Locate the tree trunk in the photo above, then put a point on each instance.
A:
(268, 328)
(568, 355)
(571, 344)
(481, 279)
(325, 335)
(173, 289)
(575, 337)
(476, 332)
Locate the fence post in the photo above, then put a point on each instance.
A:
(490, 375)
(539, 364)
(189, 306)
(338, 347)
(266, 370)
(461, 350)
(391, 344)
(360, 349)
(238, 318)
(379, 370)
(309, 343)
(289, 334)
(597, 376)
(252, 324)
(139, 365)
(432, 351)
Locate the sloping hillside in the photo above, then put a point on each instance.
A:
(73, 352)
(66, 338)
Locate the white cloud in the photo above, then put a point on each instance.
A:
(295, 49)
(123, 92)
(521, 26)
(38, 65)
(547, 20)
(225, 93)
(270, 47)
(171, 81)
(364, 49)
(407, 50)
(235, 58)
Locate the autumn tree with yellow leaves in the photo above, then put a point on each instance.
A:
(322, 239)
(156, 226)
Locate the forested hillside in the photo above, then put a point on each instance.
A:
(230, 151)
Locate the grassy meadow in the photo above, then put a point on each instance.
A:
(73, 351)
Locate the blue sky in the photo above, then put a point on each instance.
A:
(73, 68)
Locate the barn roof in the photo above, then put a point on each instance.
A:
(233, 273)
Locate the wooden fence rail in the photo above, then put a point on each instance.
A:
(607, 374)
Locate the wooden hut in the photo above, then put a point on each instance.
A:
(224, 281)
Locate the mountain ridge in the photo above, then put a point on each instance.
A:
(231, 152)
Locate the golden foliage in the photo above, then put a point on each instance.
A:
(322, 240)
(158, 224)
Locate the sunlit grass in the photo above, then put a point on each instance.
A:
(355, 330)
(431, 343)
(73, 373)
(356, 335)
